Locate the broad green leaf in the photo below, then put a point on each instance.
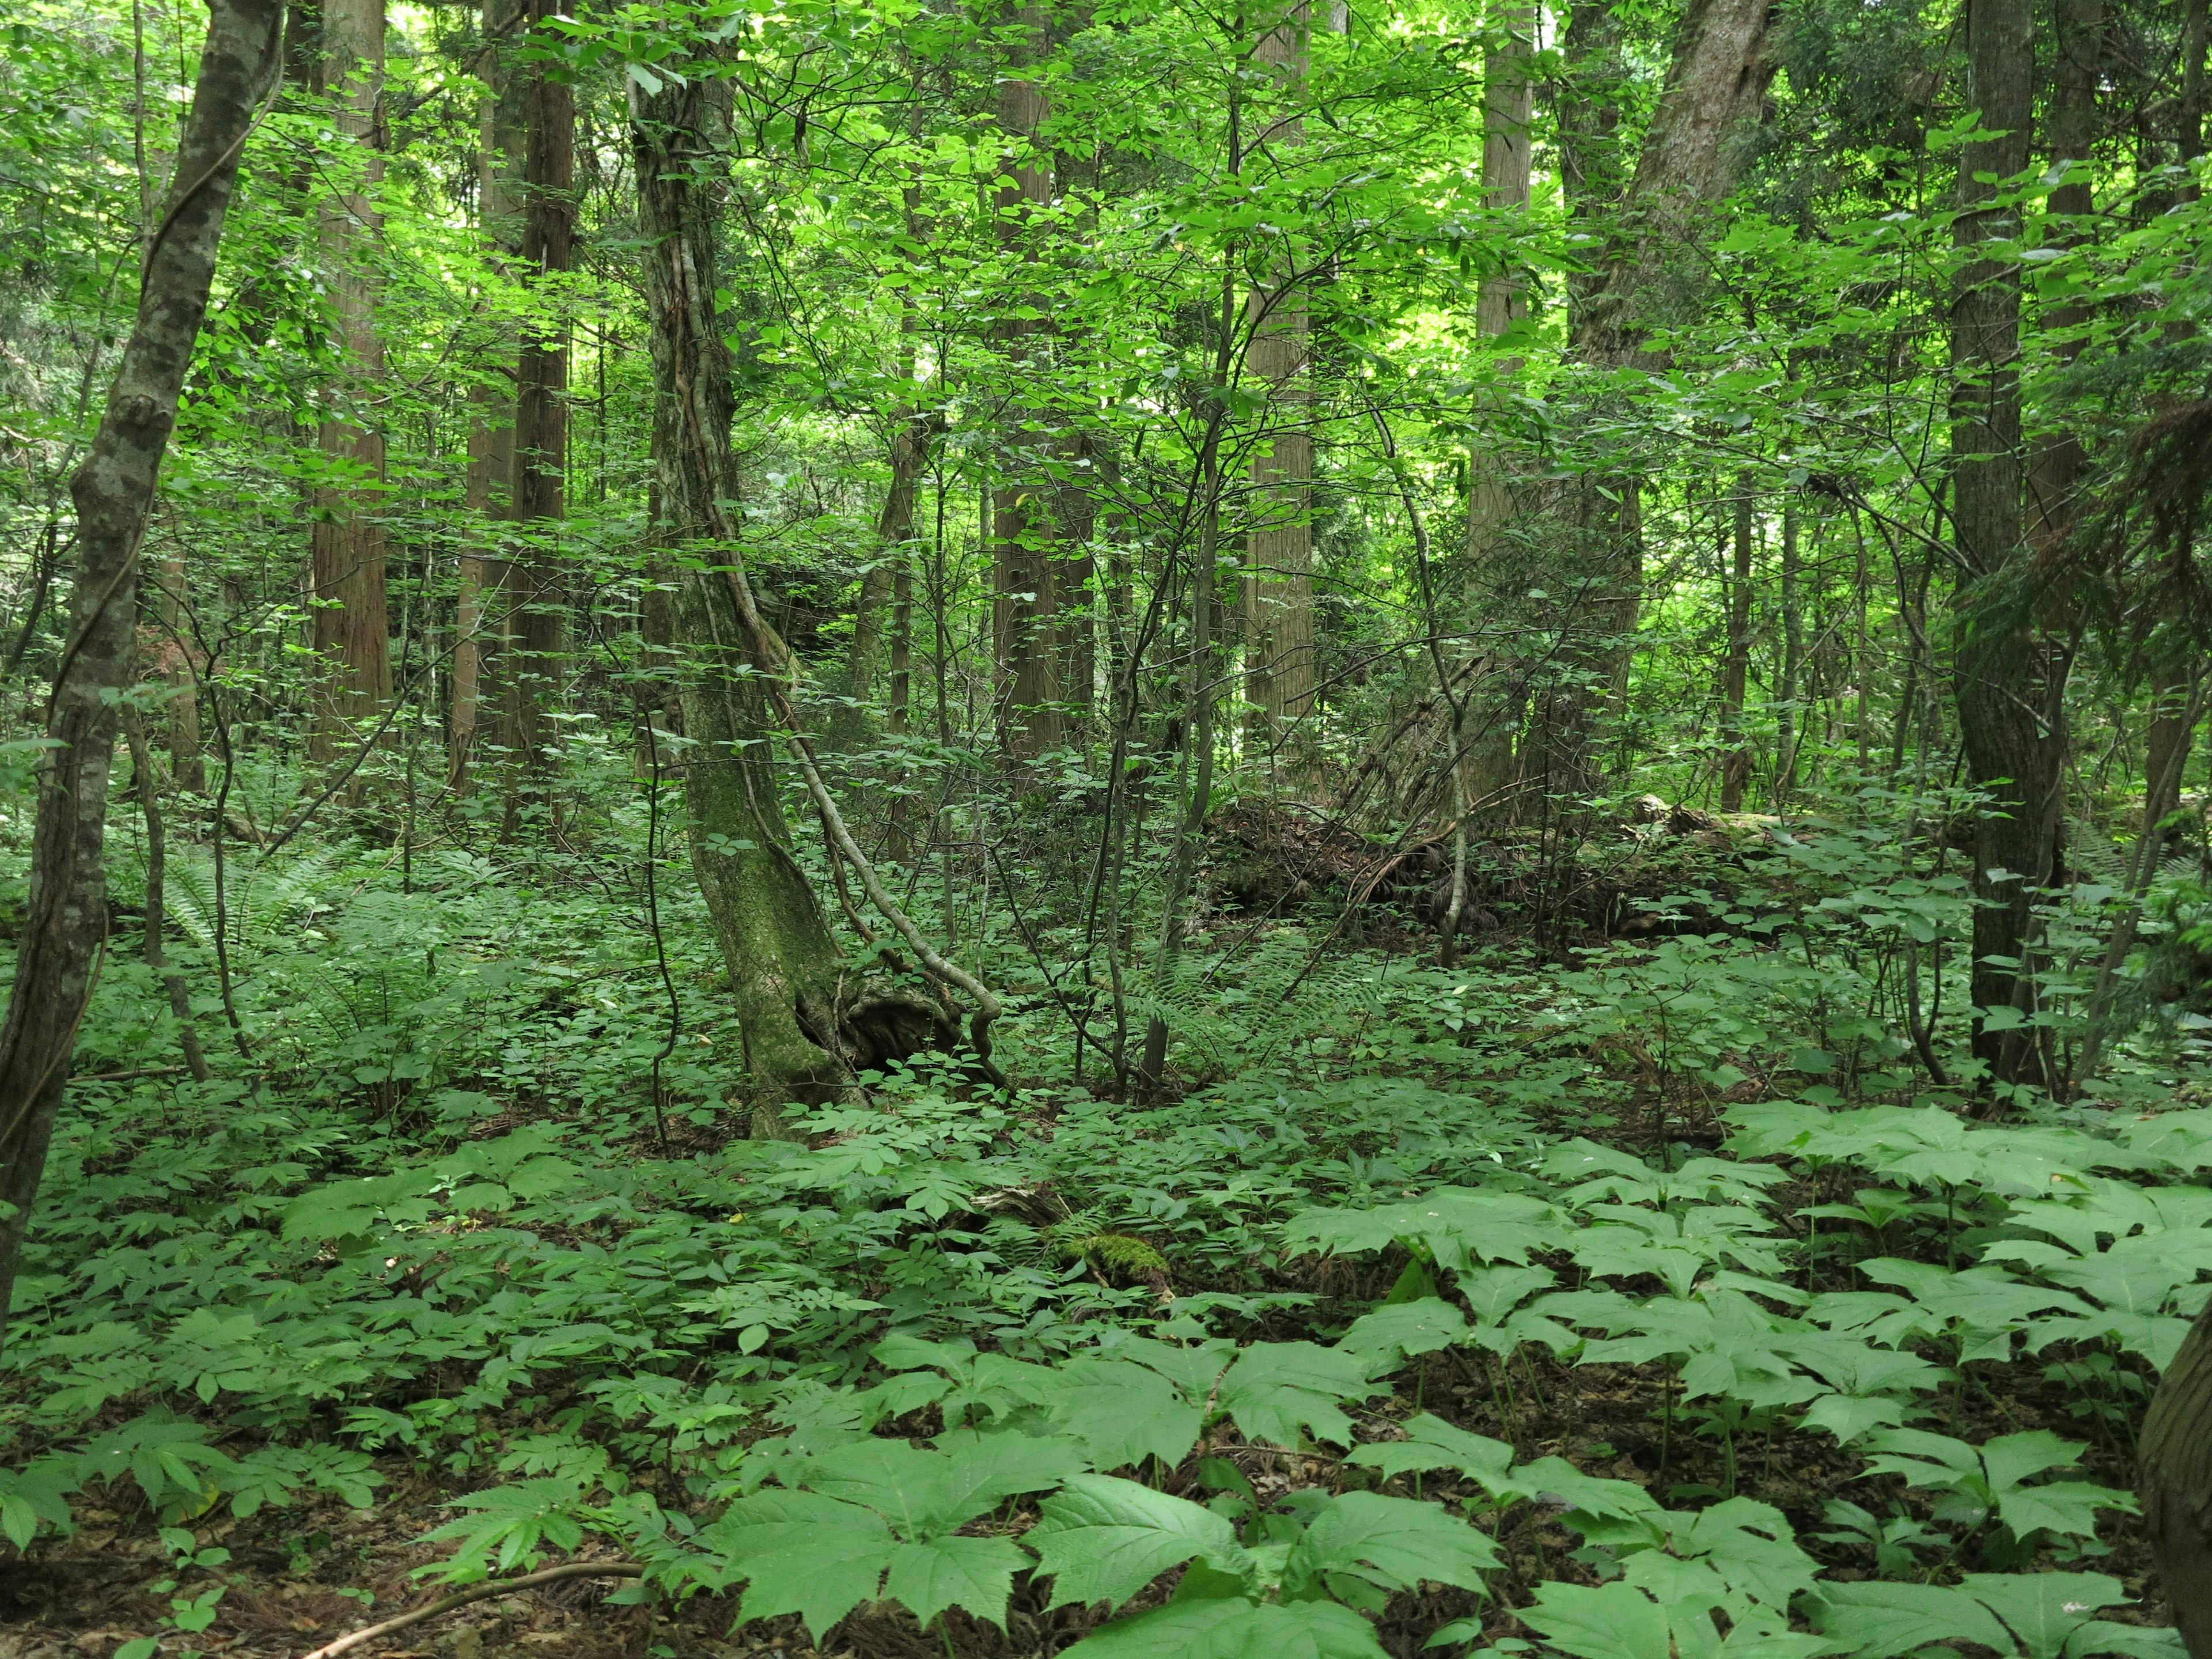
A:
(2043, 1609)
(1104, 1539)
(1848, 1416)
(1404, 1330)
(1395, 1541)
(1122, 1412)
(1612, 1621)
(977, 1574)
(1879, 1621)
(1275, 1387)
(1221, 1629)
(924, 1492)
(2066, 1507)
(1432, 1443)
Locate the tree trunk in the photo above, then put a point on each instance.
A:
(807, 1027)
(65, 908)
(2173, 1477)
(530, 677)
(1735, 672)
(1501, 302)
(2010, 681)
(1790, 721)
(1279, 614)
(1722, 61)
(1026, 601)
(352, 622)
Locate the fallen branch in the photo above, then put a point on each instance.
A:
(484, 1591)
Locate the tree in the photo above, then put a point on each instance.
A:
(809, 1021)
(352, 622)
(65, 910)
(2009, 677)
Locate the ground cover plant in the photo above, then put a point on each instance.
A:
(952, 828)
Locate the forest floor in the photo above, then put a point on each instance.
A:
(1537, 1059)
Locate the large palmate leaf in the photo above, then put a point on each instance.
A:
(925, 1493)
(1236, 1629)
(1104, 1539)
(1275, 1388)
(1394, 1542)
(1123, 1412)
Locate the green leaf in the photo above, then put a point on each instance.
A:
(2043, 1609)
(977, 1574)
(1123, 1413)
(1876, 1621)
(1432, 1443)
(1612, 1621)
(1275, 1387)
(1396, 1542)
(922, 1493)
(1848, 1416)
(801, 1552)
(1235, 1630)
(1104, 1539)
(1407, 1329)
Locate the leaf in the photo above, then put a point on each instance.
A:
(1432, 1443)
(1274, 1387)
(1407, 1329)
(802, 1553)
(1235, 1630)
(1104, 1539)
(1848, 1416)
(924, 1492)
(2043, 1609)
(977, 1574)
(2132, 1641)
(1124, 1412)
(1396, 1542)
(1612, 1621)
(1876, 1621)
(2068, 1507)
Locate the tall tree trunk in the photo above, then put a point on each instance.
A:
(807, 1024)
(2173, 1477)
(1025, 599)
(1279, 613)
(530, 678)
(65, 908)
(2010, 680)
(1735, 672)
(352, 622)
(187, 750)
(1722, 62)
(483, 625)
(1501, 302)
(1790, 680)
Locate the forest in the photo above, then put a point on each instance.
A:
(981, 829)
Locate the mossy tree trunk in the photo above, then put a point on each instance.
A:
(810, 1022)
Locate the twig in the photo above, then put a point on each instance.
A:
(489, 1587)
(125, 1076)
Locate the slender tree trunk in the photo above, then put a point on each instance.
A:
(156, 916)
(2010, 680)
(1501, 302)
(483, 626)
(1723, 59)
(352, 622)
(1025, 600)
(1791, 678)
(1279, 613)
(181, 700)
(1735, 672)
(64, 922)
(530, 678)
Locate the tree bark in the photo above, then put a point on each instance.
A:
(531, 678)
(1279, 614)
(1723, 59)
(65, 910)
(2010, 680)
(1025, 599)
(352, 621)
(807, 1024)
(2173, 1477)
(1735, 672)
